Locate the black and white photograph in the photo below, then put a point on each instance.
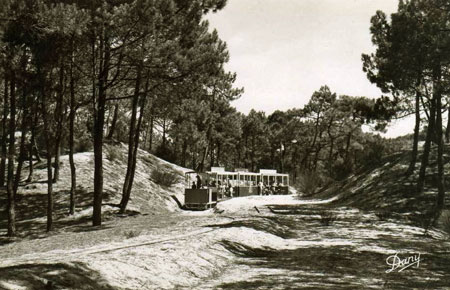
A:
(224, 144)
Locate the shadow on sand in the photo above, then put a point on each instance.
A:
(59, 276)
(31, 213)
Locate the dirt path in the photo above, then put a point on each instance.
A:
(350, 252)
(298, 245)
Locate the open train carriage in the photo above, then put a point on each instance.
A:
(199, 195)
(278, 183)
(224, 181)
(247, 183)
(204, 190)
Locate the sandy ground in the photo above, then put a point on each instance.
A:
(255, 242)
(284, 244)
(181, 249)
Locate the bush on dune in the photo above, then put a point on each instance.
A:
(164, 178)
(113, 153)
(444, 220)
(309, 182)
(83, 144)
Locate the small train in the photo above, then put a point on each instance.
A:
(204, 190)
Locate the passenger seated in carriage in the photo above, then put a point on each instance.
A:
(260, 188)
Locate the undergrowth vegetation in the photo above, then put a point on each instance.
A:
(383, 215)
(309, 182)
(83, 144)
(113, 153)
(164, 178)
(327, 218)
(131, 234)
(445, 221)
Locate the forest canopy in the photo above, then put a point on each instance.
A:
(151, 74)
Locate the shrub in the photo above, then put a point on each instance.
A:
(383, 215)
(164, 178)
(147, 159)
(444, 220)
(83, 144)
(131, 234)
(309, 182)
(372, 156)
(113, 153)
(327, 218)
(166, 152)
(341, 169)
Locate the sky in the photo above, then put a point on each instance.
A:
(284, 50)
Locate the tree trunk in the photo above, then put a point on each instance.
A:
(50, 202)
(412, 164)
(447, 130)
(330, 136)
(294, 159)
(347, 145)
(145, 130)
(330, 154)
(22, 157)
(131, 139)
(98, 159)
(11, 154)
(33, 145)
(239, 156)
(246, 150)
(99, 122)
(112, 128)
(194, 158)
(219, 151)
(150, 143)
(440, 143)
(136, 146)
(305, 160)
(21, 151)
(212, 159)
(252, 155)
(47, 136)
(183, 153)
(60, 119)
(316, 157)
(126, 197)
(30, 157)
(201, 165)
(427, 146)
(4, 134)
(73, 172)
